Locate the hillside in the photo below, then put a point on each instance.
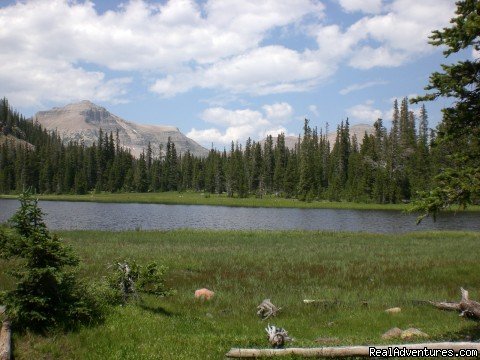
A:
(83, 121)
(14, 140)
(359, 130)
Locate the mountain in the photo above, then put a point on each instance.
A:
(83, 121)
(358, 130)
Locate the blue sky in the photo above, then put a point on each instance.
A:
(223, 70)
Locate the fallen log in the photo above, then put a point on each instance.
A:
(467, 308)
(347, 351)
(5, 341)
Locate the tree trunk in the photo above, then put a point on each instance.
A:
(347, 351)
(5, 341)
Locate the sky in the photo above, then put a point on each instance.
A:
(224, 70)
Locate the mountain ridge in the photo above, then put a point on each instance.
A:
(358, 130)
(83, 120)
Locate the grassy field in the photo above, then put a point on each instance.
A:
(243, 268)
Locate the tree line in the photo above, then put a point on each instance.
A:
(388, 166)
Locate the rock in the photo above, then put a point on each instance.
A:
(411, 333)
(394, 310)
(308, 301)
(327, 340)
(393, 333)
(204, 294)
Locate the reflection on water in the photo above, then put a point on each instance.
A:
(102, 216)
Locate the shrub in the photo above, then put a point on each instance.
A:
(128, 280)
(47, 292)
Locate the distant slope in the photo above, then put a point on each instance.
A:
(83, 121)
(358, 130)
(15, 141)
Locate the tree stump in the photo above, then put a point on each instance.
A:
(277, 337)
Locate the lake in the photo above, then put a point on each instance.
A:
(63, 215)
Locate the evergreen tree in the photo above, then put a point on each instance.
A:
(459, 132)
(47, 293)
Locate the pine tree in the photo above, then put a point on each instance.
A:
(47, 293)
(306, 183)
(459, 131)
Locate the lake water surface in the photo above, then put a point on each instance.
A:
(63, 215)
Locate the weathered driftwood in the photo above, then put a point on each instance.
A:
(466, 307)
(346, 351)
(5, 341)
(127, 283)
(266, 309)
(277, 337)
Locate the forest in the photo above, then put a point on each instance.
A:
(389, 166)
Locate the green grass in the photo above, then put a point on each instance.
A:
(243, 268)
(197, 198)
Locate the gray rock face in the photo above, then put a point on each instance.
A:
(83, 121)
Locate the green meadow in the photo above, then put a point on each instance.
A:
(197, 198)
(356, 275)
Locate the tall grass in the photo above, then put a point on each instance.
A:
(243, 268)
(196, 198)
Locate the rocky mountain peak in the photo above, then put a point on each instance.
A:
(82, 121)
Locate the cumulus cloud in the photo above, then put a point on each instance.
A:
(364, 113)
(390, 38)
(176, 38)
(366, 6)
(60, 49)
(279, 112)
(238, 125)
(356, 87)
(265, 70)
(313, 109)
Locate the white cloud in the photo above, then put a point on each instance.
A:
(391, 38)
(61, 49)
(356, 87)
(174, 38)
(265, 70)
(475, 54)
(313, 109)
(225, 117)
(279, 112)
(366, 6)
(238, 125)
(364, 112)
(367, 58)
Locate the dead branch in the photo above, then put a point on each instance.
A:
(266, 309)
(346, 351)
(467, 308)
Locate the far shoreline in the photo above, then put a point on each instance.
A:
(197, 198)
